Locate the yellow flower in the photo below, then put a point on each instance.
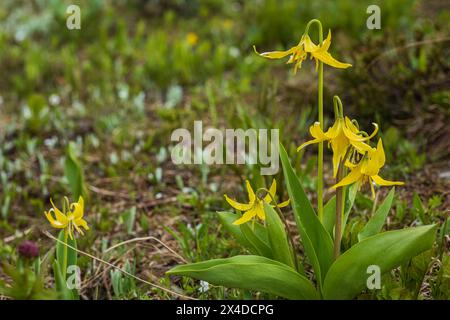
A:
(73, 219)
(342, 135)
(300, 52)
(367, 170)
(192, 38)
(255, 206)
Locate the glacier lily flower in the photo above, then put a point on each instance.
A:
(342, 135)
(367, 170)
(300, 52)
(71, 220)
(255, 206)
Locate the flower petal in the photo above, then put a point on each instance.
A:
(284, 203)
(272, 191)
(326, 58)
(276, 54)
(379, 154)
(351, 131)
(251, 193)
(259, 208)
(352, 177)
(326, 43)
(81, 223)
(246, 216)
(54, 223)
(60, 217)
(381, 182)
(77, 208)
(308, 45)
(237, 205)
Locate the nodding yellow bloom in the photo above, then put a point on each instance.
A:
(367, 170)
(71, 220)
(342, 135)
(300, 53)
(255, 206)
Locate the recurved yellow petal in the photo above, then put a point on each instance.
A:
(327, 42)
(317, 133)
(308, 45)
(77, 208)
(81, 223)
(247, 216)
(284, 203)
(276, 54)
(237, 205)
(352, 177)
(259, 209)
(272, 192)
(326, 58)
(53, 222)
(381, 182)
(251, 193)
(58, 214)
(351, 131)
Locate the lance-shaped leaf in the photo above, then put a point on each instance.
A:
(374, 225)
(316, 240)
(257, 238)
(74, 173)
(227, 219)
(348, 275)
(281, 251)
(251, 273)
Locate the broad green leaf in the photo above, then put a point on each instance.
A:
(251, 273)
(71, 254)
(254, 236)
(329, 210)
(281, 250)
(375, 224)
(348, 275)
(74, 173)
(227, 219)
(320, 246)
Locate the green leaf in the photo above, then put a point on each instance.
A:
(281, 251)
(71, 254)
(227, 219)
(74, 173)
(61, 285)
(375, 223)
(129, 217)
(257, 238)
(419, 208)
(316, 240)
(251, 273)
(348, 275)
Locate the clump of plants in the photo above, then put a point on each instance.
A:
(274, 265)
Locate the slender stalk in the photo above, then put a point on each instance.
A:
(340, 198)
(320, 116)
(64, 271)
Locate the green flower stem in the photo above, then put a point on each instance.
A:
(340, 198)
(64, 271)
(320, 105)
